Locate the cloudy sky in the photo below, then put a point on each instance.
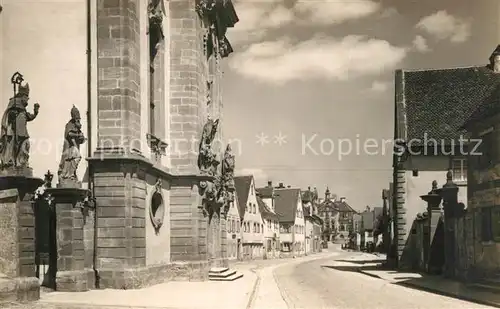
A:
(310, 74)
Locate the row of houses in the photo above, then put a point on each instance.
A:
(272, 221)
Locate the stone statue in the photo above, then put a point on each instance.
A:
(155, 31)
(207, 159)
(228, 165)
(14, 137)
(71, 156)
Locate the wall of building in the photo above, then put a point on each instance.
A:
(484, 192)
(429, 168)
(233, 228)
(309, 235)
(157, 241)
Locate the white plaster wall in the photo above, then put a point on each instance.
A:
(253, 217)
(157, 245)
(46, 42)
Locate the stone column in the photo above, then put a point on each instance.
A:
(449, 194)
(433, 201)
(71, 275)
(17, 241)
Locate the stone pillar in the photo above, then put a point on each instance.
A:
(449, 194)
(71, 275)
(401, 229)
(433, 201)
(17, 241)
(118, 65)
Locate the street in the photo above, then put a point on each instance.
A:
(315, 284)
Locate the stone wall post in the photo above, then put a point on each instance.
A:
(17, 244)
(449, 194)
(433, 200)
(71, 275)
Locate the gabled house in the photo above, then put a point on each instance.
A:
(271, 230)
(430, 108)
(252, 226)
(233, 230)
(288, 203)
(313, 223)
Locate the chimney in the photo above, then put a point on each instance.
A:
(495, 60)
(327, 194)
(281, 185)
(342, 199)
(289, 186)
(270, 184)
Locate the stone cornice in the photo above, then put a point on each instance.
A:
(155, 169)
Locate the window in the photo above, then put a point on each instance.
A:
(459, 169)
(252, 189)
(269, 224)
(237, 226)
(486, 149)
(486, 232)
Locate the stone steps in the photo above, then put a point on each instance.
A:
(223, 274)
(490, 284)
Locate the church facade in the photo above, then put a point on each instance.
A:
(154, 165)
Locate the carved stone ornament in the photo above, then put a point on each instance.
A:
(156, 10)
(217, 195)
(157, 146)
(205, 7)
(157, 206)
(207, 159)
(14, 137)
(41, 193)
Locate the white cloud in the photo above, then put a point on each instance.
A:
(334, 12)
(320, 57)
(257, 18)
(258, 174)
(389, 12)
(445, 26)
(420, 44)
(378, 86)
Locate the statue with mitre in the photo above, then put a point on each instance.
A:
(71, 156)
(14, 137)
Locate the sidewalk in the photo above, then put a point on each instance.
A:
(257, 289)
(435, 284)
(169, 295)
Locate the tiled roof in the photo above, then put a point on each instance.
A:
(264, 210)
(286, 204)
(242, 187)
(266, 192)
(336, 205)
(438, 102)
(488, 108)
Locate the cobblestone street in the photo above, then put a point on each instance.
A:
(315, 284)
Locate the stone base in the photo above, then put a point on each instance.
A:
(140, 277)
(73, 281)
(17, 171)
(69, 184)
(22, 289)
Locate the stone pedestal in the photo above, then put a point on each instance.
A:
(18, 280)
(433, 201)
(449, 194)
(71, 274)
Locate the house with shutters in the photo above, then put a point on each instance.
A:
(271, 220)
(252, 225)
(289, 208)
(431, 107)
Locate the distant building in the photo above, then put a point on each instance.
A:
(252, 226)
(233, 230)
(265, 200)
(337, 217)
(312, 220)
(288, 203)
